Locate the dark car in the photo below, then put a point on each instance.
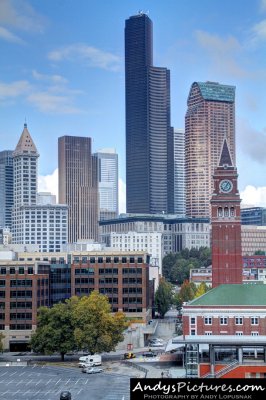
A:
(148, 354)
(65, 395)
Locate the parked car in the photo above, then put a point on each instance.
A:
(128, 356)
(65, 395)
(156, 342)
(92, 370)
(148, 354)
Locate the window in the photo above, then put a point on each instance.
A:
(239, 333)
(223, 320)
(207, 321)
(239, 321)
(254, 333)
(193, 332)
(208, 333)
(254, 321)
(192, 320)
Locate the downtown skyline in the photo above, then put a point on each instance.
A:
(63, 71)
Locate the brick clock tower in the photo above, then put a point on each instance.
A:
(226, 223)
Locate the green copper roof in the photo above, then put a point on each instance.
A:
(233, 295)
(216, 92)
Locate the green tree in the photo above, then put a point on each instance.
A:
(1, 342)
(176, 267)
(259, 253)
(55, 330)
(201, 289)
(186, 293)
(96, 329)
(79, 323)
(163, 297)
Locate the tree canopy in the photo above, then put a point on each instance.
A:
(163, 297)
(186, 293)
(176, 267)
(80, 323)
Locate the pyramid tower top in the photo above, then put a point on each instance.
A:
(25, 145)
(225, 157)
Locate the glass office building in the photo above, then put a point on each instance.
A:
(149, 136)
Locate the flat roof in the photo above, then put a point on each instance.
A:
(221, 340)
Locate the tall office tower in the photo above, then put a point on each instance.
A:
(6, 188)
(179, 172)
(42, 225)
(78, 186)
(108, 183)
(210, 118)
(149, 136)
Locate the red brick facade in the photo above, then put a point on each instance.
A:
(226, 226)
(225, 321)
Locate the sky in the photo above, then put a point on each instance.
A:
(62, 71)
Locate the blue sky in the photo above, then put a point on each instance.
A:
(62, 68)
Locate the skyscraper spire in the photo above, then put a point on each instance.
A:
(225, 157)
(25, 144)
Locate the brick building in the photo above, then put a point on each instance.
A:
(24, 287)
(43, 279)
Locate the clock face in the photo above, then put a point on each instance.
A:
(226, 186)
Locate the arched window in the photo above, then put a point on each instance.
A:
(232, 212)
(226, 212)
(220, 212)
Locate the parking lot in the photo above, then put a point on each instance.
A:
(46, 383)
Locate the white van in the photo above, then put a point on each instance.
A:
(90, 361)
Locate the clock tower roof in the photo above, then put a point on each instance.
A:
(225, 158)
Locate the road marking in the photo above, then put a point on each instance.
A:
(77, 381)
(22, 373)
(58, 381)
(47, 383)
(38, 382)
(29, 382)
(13, 373)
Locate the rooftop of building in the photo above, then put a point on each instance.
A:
(25, 144)
(168, 218)
(215, 91)
(233, 295)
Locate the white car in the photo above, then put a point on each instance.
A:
(92, 370)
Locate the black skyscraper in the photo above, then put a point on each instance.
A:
(149, 136)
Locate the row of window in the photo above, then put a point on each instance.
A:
(107, 260)
(13, 270)
(224, 320)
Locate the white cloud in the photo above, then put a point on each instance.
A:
(20, 14)
(222, 53)
(259, 30)
(49, 183)
(255, 196)
(263, 5)
(58, 79)
(122, 196)
(5, 34)
(14, 89)
(252, 142)
(94, 57)
(52, 103)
